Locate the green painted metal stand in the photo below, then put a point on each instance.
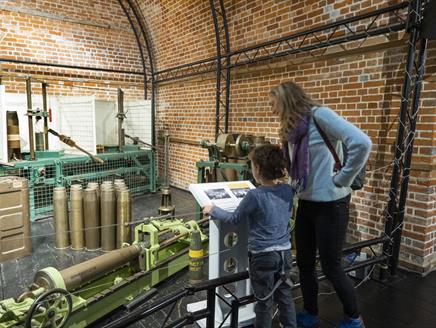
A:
(55, 168)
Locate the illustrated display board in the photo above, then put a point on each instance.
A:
(228, 253)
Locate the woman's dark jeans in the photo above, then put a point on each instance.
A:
(323, 225)
(265, 271)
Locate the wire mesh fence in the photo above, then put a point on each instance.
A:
(137, 168)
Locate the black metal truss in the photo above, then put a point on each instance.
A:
(136, 19)
(407, 119)
(379, 22)
(222, 78)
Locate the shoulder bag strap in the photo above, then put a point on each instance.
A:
(329, 146)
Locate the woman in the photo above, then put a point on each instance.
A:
(324, 195)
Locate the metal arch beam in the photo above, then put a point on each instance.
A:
(141, 20)
(137, 24)
(222, 43)
(129, 18)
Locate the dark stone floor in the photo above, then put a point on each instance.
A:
(407, 300)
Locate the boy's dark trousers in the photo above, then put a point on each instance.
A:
(265, 271)
(323, 225)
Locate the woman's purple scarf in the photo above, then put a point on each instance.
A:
(298, 168)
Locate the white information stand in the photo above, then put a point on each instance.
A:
(228, 252)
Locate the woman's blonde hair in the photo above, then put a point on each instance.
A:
(292, 103)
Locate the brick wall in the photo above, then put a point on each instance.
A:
(364, 86)
(82, 33)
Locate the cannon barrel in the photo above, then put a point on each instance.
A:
(78, 275)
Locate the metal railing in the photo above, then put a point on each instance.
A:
(210, 286)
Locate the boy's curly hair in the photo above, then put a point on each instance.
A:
(270, 160)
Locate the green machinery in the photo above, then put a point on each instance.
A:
(227, 158)
(55, 168)
(45, 169)
(79, 295)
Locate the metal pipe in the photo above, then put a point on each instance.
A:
(27, 62)
(30, 118)
(70, 142)
(90, 270)
(408, 158)
(120, 117)
(166, 160)
(136, 139)
(137, 314)
(44, 107)
(218, 69)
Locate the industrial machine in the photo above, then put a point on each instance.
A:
(227, 158)
(56, 168)
(46, 169)
(79, 295)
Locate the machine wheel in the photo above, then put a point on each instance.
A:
(50, 309)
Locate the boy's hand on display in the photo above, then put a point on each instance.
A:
(206, 209)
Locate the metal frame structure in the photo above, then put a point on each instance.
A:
(315, 42)
(310, 41)
(222, 44)
(405, 137)
(339, 32)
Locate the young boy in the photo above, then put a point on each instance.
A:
(267, 211)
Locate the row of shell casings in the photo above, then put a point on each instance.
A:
(98, 216)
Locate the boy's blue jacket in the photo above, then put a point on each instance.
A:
(267, 211)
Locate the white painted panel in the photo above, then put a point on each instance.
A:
(138, 120)
(77, 120)
(107, 122)
(18, 102)
(3, 132)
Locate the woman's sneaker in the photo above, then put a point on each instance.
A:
(352, 323)
(307, 320)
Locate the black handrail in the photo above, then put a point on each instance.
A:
(211, 285)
